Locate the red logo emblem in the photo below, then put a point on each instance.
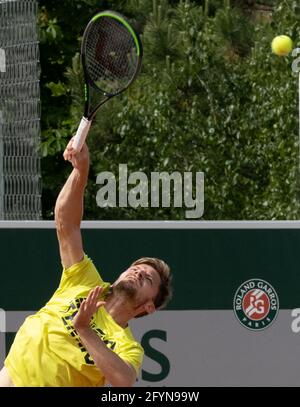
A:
(256, 305)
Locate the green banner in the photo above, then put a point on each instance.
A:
(208, 265)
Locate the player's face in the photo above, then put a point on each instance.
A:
(142, 281)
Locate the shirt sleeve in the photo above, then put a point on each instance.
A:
(83, 273)
(133, 354)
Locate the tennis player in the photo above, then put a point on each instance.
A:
(81, 336)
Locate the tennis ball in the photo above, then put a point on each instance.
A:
(282, 45)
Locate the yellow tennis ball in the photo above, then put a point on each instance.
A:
(282, 45)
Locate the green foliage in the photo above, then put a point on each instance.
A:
(235, 30)
(211, 97)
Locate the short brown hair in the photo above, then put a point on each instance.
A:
(165, 289)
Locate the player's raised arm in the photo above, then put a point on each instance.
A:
(69, 207)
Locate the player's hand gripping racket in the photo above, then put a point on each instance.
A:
(111, 55)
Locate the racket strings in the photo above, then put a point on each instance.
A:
(111, 55)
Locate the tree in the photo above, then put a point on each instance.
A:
(211, 97)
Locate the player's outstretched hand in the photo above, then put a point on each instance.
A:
(79, 160)
(88, 308)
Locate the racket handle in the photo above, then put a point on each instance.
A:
(81, 134)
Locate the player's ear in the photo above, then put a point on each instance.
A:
(147, 308)
(150, 307)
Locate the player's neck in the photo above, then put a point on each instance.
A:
(119, 310)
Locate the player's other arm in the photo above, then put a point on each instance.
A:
(117, 372)
(69, 208)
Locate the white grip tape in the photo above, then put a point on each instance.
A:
(81, 134)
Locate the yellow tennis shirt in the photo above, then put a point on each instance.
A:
(47, 350)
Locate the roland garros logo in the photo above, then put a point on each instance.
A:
(256, 304)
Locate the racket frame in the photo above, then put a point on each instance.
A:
(88, 81)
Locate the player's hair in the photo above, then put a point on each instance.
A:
(165, 289)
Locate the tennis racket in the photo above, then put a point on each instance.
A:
(111, 56)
